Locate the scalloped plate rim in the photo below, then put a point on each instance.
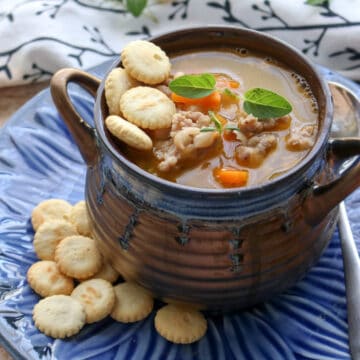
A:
(44, 96)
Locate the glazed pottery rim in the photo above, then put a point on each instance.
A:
(300, 167)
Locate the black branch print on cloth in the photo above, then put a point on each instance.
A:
(227, 8)
(38, 73)
(353, 55)
(5, 67)
(75, 51)
(53, 7)
(327, 12)
(120, 9)
(47, 7)
(6, 16)
(310, 44)
(181, 8)
(268, 13)
(312, 37)
(145, 31)
(314, 44)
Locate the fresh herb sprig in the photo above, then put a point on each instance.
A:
(216, 121)
(317, 2)
(231, 94)
(217, 125)
(136, 7)
(262, 103)
(193, 86)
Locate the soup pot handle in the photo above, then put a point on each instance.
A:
(83, 133)
(325, 197)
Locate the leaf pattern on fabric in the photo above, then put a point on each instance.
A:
(324, 32)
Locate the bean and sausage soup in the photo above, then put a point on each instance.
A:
(211, 134)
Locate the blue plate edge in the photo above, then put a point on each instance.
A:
(45, 96)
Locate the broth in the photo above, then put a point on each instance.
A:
(248, 71)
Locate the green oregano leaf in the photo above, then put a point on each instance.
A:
(136, 7)
(216, 121)
(232, 128)
(207, 129)
(193, 86)
(316, 2)
(230, 93)
(264, 104)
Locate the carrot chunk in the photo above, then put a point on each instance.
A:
(229, 135)
(233, 84)
(211, 101)
(231, 177)
(227, 83)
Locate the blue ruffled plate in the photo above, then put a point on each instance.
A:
(39, 160)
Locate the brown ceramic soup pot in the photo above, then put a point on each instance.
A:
(219, 249)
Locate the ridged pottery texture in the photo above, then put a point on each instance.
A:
(219, 249)
(205, 250)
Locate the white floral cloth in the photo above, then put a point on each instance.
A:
(37, 37)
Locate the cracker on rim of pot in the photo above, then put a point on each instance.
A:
(59, 316)
(128, 133)
(97, 297)
(77, 256)
(180, 324)
(132, 303)
(80, 218)
(116, 83)
(45, 278)
(146, 62)
(49, 234)
(147, 108)
(49, 210)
